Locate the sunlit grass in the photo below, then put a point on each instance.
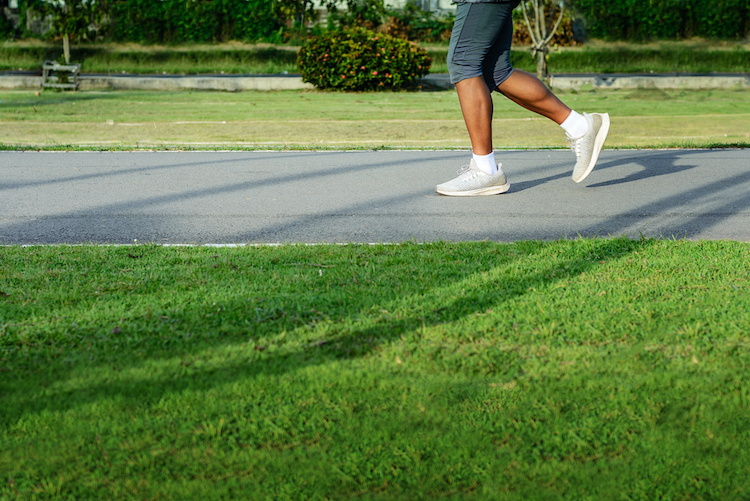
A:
(312, 119)
(595, 57)
(573, 369)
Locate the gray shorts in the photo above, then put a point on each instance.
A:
(480, 42)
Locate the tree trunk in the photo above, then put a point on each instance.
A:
(541, 64)
(66, 48)
(542, 28)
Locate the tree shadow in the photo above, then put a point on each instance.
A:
(527, 185)
(34, 226)
(51, 97)
(482, 289)
(121, 172)
(654, 165)
(356, 342)
(692, 223)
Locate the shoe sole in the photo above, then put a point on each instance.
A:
(601, 136)
(493, 190)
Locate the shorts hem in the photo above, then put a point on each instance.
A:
(455, 80)
(498, 84)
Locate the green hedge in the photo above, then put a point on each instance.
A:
(665, 19)
(6, 29)
(191, 20)
(219, 20)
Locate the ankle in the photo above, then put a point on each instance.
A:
(486, 163)
(575, 126)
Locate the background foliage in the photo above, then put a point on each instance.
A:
(6, 28)
(180, 21)
(665, 19)
(413, 23)
(368, 14)
(570, 32)
(80, 19)
(192, 20)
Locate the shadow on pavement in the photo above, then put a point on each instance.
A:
(684, 214)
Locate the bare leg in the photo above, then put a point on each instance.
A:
(526, 90)
(521, 87)
(476, 106)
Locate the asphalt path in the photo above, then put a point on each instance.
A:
(365, 196)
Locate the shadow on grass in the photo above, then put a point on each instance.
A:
(104, 56)
(52, 97)
(475, 292)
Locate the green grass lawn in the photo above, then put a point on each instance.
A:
(589, 369)
(228, 58)
(313, 119)
(594, 57)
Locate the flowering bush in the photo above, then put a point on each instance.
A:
(361, 60)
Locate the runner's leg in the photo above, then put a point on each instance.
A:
(476, 106)
(526, 90)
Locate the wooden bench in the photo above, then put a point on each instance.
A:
(51, 66)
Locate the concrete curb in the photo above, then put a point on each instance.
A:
(233, 83)
(171, 82)
(627, 81)
(661, 81)
(19, 82)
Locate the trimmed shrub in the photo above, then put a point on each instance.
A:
(361, 60)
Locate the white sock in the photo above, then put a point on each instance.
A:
(575, 125)
(486, 163)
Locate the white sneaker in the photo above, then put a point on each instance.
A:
(472, 181)
(588, 147)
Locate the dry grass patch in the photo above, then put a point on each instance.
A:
(640, 118)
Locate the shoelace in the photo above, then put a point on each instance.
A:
(464, 168)
(575, 146)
